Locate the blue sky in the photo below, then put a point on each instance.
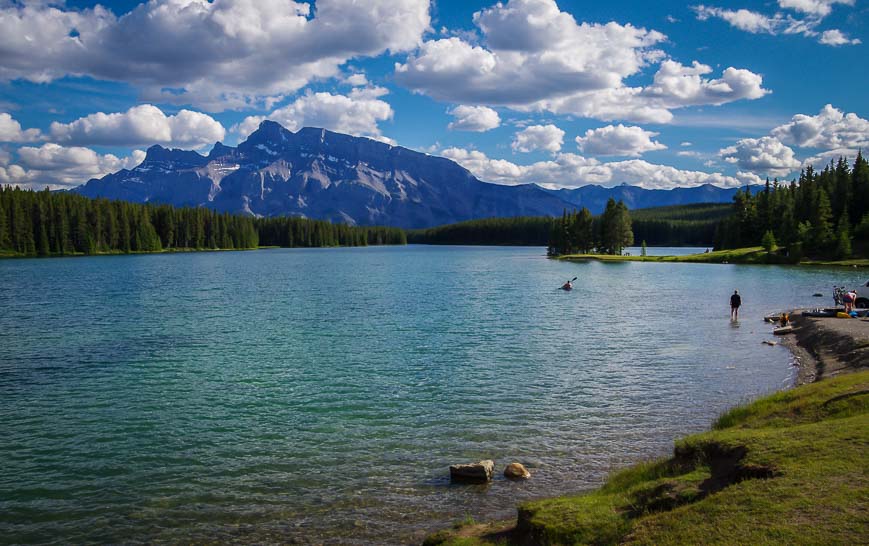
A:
(658, 94)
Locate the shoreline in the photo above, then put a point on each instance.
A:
(825, 347)
(751, 255)
(826, 351)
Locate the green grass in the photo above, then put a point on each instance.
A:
(787, 469)
(750, 255)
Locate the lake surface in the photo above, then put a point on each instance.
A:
(321, 394)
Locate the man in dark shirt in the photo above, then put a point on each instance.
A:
(735, 302)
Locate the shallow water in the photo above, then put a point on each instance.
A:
(321, 394)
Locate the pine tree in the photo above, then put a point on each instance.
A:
(860, 186)
(5, 240)
(768, 241)
(822, 231)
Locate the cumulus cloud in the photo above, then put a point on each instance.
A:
(141, 125)
(473, 118)
(356, 80)
(835, 37)
(820, 8)
(357, 113)
(765, 155)
(618, 140)
(10, 130)
(535, 57)
(830, 129)
(548, 138)
(674, 86)
(573, 170)
(234, 53)
(55, 166)
(782, 23)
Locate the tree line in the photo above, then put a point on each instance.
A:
(291, 231)
(45, 223)
(823, 214)
(580, 232)
(679, 225)
(517, 231)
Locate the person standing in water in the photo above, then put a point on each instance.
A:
(735, 302)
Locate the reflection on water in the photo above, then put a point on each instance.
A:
(322, 394)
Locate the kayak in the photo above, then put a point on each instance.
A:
(567, 288)
(782, 330)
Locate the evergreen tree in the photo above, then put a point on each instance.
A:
(5, 239)
(860, 187)
(768, 241)
(822, 231)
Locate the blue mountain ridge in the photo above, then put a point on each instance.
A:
(315, 173)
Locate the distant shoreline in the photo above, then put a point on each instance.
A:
(751, 255)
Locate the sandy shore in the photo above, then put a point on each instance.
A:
(827, 347)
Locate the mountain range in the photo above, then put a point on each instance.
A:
(320, 174)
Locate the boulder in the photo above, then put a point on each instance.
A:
(480, 472)
(515, 471)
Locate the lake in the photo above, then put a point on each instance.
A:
(321, 394)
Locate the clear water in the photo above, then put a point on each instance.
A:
(320, 395)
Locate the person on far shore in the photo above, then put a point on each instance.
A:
(735, 302)
(848, 299)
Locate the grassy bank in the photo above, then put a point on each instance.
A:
(787, 469)
(751, 255)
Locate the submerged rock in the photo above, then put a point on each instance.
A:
(515, 471)
(480, 472)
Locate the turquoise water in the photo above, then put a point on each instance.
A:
(321, 394)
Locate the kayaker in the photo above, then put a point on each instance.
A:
(567, 286)
(735, 302)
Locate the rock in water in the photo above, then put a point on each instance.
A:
(480, 472)
(515, 471)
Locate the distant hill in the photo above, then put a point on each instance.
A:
(319, 174)
(678, 225)
(595, 197)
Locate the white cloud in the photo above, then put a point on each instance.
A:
(835, 37)
(572, 170)
(356, 80)
(674, 86)
(57, 166)
(618, 140)
(781, 23)
(765, 155)
(820, 8)
(141, 125)
(535, 57)
(10, 130)
(830, 129)
(548, 138)
(818, 161)
(686, 144)
(535, 51)
(357, 113)
(473, 118)
(216, 55)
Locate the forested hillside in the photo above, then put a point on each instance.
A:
(59, 223)
(824, 215)
(684, 225)
(519, 231)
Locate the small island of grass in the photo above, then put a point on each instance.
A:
(750, 255)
